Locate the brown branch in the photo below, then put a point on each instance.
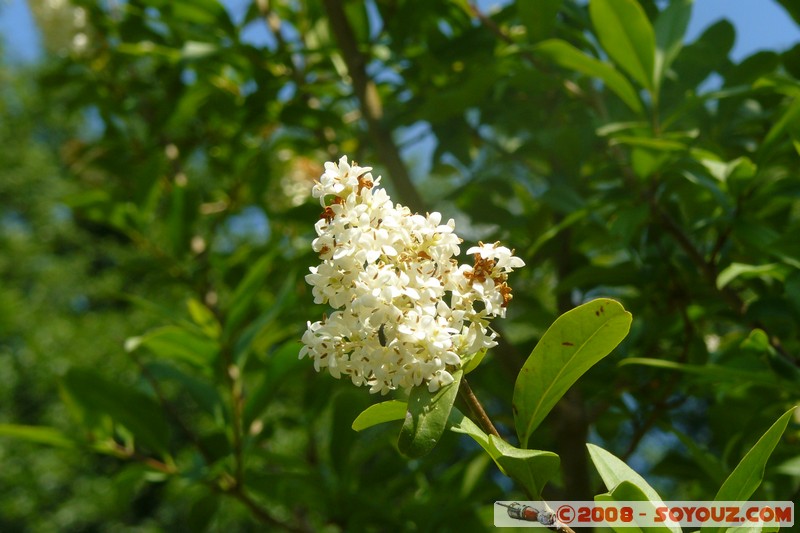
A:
(465, 391)
(371, 106)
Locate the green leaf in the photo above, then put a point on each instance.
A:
(627, 36)
(791, 7)
(747, 476)
(176, 343)
(574, 343)
(203, 317)
(565, 55)
(670, 28)
(539, 17)
(613, 471)
(788, 120)
(458, 423)
(137, 412)
(37, 434)
(246, 291)
(380, 413)
(426, 417)
(710, 372)
(735, 270)
(662, 145)
(471, 363)
(629, 492)
(530, 468)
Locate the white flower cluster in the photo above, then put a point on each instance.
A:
(404, 309)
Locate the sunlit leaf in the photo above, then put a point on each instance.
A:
(572, 345)
(426, 417)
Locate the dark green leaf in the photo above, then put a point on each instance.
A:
(572, 345)
(137, 412)
(670, 28)
(539, 17)
(426, 417)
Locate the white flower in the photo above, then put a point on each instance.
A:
(404, 311)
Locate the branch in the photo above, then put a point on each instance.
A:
(371, 106)
(477, 409)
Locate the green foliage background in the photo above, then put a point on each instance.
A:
(155, 233)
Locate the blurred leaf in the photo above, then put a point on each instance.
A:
(379, 413)
(37, 434)
(567, 56)
(426, 417)
(280, 363)
(574, 343)
(735, 270)
(789, 119)
(139, 413)
(791, 7)
(747, 476)
(246, 291)
(530, 468)
(202, 512)
(539, 17)
(173, 342)
(613, 471)
(627, 36)
(670, 28)
(714, 373)
(204, 318)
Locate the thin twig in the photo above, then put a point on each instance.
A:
(477, 409)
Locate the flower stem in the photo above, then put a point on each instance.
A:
(477, 409)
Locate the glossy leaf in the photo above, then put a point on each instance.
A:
(379, 413)
(572, 345)
(747, 476)
(567, 56)
(613, 471)
(530, 468)
(426, 417)
(627, 36)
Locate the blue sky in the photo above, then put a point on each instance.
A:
(760, 24)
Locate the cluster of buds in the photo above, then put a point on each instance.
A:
(404, 311)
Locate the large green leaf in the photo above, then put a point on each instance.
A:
(426, 417)
(530, 468)
(137, 412)
(670, 28)
(572, 345)
(565, 55)
(747, 476)
(627, 36)
(613, 471)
